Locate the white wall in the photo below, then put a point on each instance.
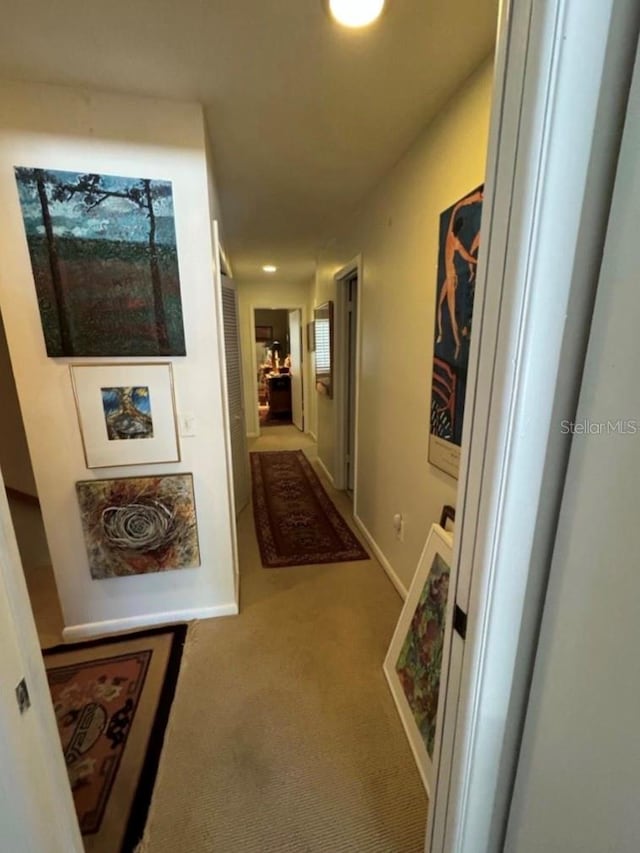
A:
(64, 128)
(36, 807)
(14, 453)
(577, 783)
(396, 230)
(278, 320)
(267, 293)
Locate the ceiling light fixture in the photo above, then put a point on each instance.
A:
(356, 13)
(269, 268)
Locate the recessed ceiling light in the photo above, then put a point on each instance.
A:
(269, 268)
(356, 13)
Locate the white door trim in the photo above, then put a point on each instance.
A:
(340, 367)
(297, 350)
(217, 277)
(556, 123)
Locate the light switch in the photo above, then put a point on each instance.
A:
(188, 425)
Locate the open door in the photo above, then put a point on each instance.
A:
(231, 356)
(233, 364)
(295, 344)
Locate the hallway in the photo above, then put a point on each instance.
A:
(283, 735)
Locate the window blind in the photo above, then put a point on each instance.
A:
(323, 346)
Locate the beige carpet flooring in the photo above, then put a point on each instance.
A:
(283, 736)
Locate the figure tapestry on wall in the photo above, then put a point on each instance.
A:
(459, 244)
(105, 263)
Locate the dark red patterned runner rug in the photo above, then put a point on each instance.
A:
(296, 521)
(112, 700)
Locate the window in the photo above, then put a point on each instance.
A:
(323, 346)
(323, 324)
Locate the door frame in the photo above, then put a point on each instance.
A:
(253, 429)
(555, 134)
(340, 370)
(303, 362)
(218, 262)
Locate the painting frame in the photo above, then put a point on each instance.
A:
(311, 336)
(448, 518)
(458, 254)
(102, 450)
(139, 525)
(264, 334)
(439, 546)
(104, 257)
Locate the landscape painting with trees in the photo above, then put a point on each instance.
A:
(105, 263)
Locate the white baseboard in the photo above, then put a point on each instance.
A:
(253, 434)
(380, 557)
(313, 436)
(116, 626)
(325, 471)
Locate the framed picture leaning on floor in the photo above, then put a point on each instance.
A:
(417, 661)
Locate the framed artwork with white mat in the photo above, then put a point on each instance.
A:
(127, 413)
(417, 662)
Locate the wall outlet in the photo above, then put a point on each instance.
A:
(398, 526)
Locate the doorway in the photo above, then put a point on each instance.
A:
(351, 322)
(347, 371)
(24, 506)
(279, 367)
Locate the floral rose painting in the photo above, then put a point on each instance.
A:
(419, 664)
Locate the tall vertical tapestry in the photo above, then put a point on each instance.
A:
(105, 263)
(459, 245)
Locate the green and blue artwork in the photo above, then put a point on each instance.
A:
(419, 664)
(105, 263)
(127, 412)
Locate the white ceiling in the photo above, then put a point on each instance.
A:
(305, 117)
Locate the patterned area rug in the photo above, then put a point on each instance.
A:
(112, 700)
(296, 521)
